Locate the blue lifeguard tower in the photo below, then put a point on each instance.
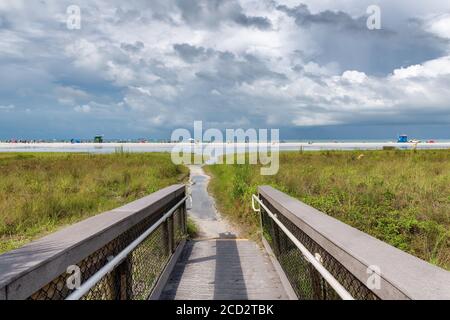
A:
(403, 138)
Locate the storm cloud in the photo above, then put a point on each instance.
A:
(141, 68)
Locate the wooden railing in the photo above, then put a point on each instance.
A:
(47, 269)
(366, 267)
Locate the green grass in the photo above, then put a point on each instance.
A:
(401, 197)
(192, 228)
(40, 193)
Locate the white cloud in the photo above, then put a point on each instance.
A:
(70, 95)
(85, 54)
(440, 25)
(7, 108)
(315, 120)
(354, 76)
(83, 109)
(429, 69)
(123, 61)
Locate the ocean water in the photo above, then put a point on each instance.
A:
(219, 149)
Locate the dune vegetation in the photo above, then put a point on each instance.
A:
(401, 197)
(40, 193)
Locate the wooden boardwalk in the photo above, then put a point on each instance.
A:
(223, 269)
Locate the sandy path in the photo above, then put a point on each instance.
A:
(209, 220)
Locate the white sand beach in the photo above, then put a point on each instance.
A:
(167, 147)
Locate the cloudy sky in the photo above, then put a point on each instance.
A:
(141, 68)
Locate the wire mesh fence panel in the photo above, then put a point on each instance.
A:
(55, 290)
(304, 278)
(104, 290)
(137, 275)
(147, 262)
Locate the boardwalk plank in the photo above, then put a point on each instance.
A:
(223, 270)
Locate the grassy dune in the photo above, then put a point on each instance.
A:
(41, 192)
(401, 197)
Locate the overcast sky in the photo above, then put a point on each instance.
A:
(141, 68)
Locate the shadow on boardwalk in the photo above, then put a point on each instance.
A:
(223, 269)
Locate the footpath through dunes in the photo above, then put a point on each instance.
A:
(218, 264)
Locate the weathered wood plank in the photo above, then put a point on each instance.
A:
(224, 270)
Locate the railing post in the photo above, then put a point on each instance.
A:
(182, 217)
(171, 234)
(282, 242)
(276, 238)
(168, 235)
